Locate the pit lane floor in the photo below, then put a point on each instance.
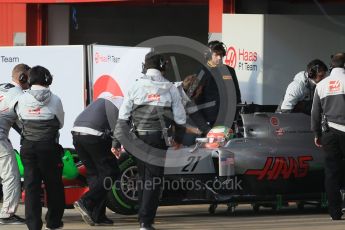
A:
(197, 217)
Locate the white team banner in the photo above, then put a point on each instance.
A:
(114, 69)
(66, 64)
(243, 36)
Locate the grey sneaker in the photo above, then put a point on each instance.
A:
(14, 219)
(85, 214)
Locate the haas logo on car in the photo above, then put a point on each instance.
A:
(284, 167)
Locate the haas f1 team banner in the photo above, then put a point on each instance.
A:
(114, 69)
(66, 64)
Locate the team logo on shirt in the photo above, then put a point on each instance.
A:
(227, 77)
(34, 111)
(153, 97)
(334, 86)
(5, 110)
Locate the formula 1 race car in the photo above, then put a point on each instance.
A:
(273, 163)
(270, 160)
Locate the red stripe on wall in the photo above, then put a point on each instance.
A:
(12, 20)
(215, 16)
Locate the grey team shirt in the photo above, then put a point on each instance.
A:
(153, 90)
(8, 99)
(329, 99)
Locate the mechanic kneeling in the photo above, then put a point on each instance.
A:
(42, 115)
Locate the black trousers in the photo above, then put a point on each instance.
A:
(333, 143)
(150, 177)
(42, 161)
(102, 171)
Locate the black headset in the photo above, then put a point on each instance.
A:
(312, 73)
(211, 46)
(48, 78)
(162, 63)
(23, 77)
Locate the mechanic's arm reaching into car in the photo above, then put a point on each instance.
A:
(294, 94)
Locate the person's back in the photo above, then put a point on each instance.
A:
(299, 93)
(331, 98)
(42, 115)
(9, 95)
(92, 141)
(328, 125)
(100, 116)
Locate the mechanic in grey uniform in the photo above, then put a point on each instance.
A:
(42, 115)
(93, 141)
(299, 93)
(328, 124)
(9, 173)
(152, 104)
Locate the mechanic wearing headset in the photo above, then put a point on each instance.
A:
(42, 115)
(299, 94)
(152, 104)
(212, 76)
(9, 173)
(328, 124)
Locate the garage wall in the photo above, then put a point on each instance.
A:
(290, 42)
(58, 24)
(123, 25)
(129, 25)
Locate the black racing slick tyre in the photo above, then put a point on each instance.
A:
(123, 196)
(1, 193)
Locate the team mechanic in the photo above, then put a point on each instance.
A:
(9, 173)
(92, 141)
(300, 92)
(328, 124)
(152, 104)
(42, 115)
(215, 84)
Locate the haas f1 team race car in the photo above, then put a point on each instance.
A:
(269, 161)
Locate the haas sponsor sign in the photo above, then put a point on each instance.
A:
(282, 167)
(241, 58)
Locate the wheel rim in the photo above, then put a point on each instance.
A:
(129, 180)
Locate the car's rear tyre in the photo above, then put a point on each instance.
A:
(123, 197)
(1, 192)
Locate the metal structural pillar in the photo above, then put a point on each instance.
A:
(36, 24)
(216, 10)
